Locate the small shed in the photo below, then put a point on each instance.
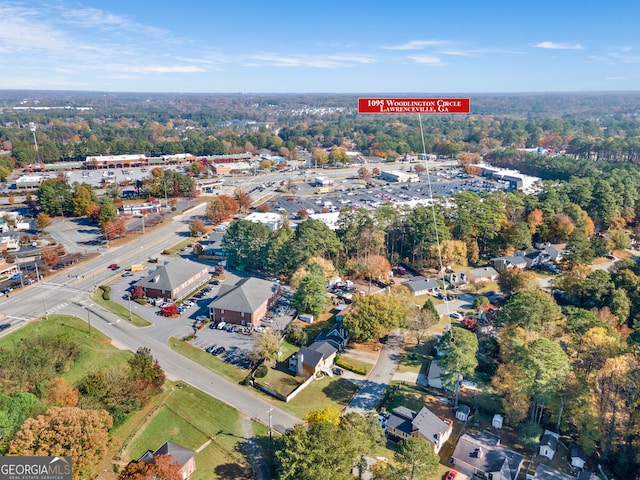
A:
(578, 458)
(497, 421)
(462, 412)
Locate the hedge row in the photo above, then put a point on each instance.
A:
(347, 366)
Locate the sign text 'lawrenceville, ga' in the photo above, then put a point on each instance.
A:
(413, 105)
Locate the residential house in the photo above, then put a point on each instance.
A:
(482, 274)
(435, 374)
(404, 423)
(482, 455)
(336, 337)
(587, 475)
(245, 303)
(549, 444)
(457, 279)
(317, 357)
(544, 472)
(503, 263)
(553, 251)
(422, 286)
(174, 280)
(578, 458)
(183, 456)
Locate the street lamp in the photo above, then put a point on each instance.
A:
(270, 431)
(130, 314)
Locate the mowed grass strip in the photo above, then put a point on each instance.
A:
(207, 360)
(334, 391)
(121, 311)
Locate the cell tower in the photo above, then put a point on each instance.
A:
(32, 127)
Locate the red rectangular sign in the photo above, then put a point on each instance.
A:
(413, 105)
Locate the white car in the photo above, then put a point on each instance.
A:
(456, 315)
(221, 325)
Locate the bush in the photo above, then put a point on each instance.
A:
(247, 380)
(106, 289)
(529, 435)
(141, 301)
(261, 371)
(347, 366)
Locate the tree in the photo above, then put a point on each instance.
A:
(221, 209)
(266, 347)
(313, 239)
(364, 174)
(372, 316)
(169, 311)
(83, 201)
(533, 311)
(144, 367)
(376, 267)
(197, 227)
(338, 155)
(535, 219)
(49, 255)
(243, 199)
(62, 393)
(14, 410)
(415, 460)
(246, 243)
(42, 221)
(458, 348)
(137, 292)
(328, 414)
(311, 296)
(514, 280)
(66, 431)
(162, 468)
(319, 157)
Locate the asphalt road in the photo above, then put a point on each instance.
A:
(67, 292)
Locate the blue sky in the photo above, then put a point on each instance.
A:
(347, 46)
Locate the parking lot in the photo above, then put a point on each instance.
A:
(354, 193)
(237, 346)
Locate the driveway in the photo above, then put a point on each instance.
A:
(374, 385)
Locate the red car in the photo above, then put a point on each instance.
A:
(114, 266)
(451, 475)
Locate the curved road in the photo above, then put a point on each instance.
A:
(67, 292)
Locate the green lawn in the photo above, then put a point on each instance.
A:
(166, 425)
(173, 251)
(415, 358)
(207, 360)
(190, 418)
(281, 381)
(334, 391)
(96, 351)
(399, 394)
(121, 311)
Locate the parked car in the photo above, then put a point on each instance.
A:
(337, 371)
(211, 348)
(221, 325)
(218, 351)
(456, 315)
(4, 326)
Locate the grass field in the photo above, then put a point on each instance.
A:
(190, 418)
(96, 350)
(334, 391)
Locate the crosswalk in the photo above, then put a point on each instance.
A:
(60, 286)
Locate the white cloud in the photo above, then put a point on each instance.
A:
(559, 46)
(97, 18)
(415, 45)
(427, 60)
(457, 53)
(315, 61)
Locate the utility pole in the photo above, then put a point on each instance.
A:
(89, 320)
(46, 314)
(270, 430)
(130, 314)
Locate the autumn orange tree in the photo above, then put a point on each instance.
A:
(66, 431)
(222, 208)
(162, 468)
(243, 199)
(42, 221)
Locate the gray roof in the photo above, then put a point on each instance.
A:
(544, 472)
(178, 453)
(247, 295)
(316, 353)
(513, 259)
(435, 371)
(578, 453)
(430, 425)
(550, 440)
(401, 418)
(214, 242)
(466, 409)
(418, 284)
(482, 272)
(172, 275)
(425, 422)
(484, 452)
